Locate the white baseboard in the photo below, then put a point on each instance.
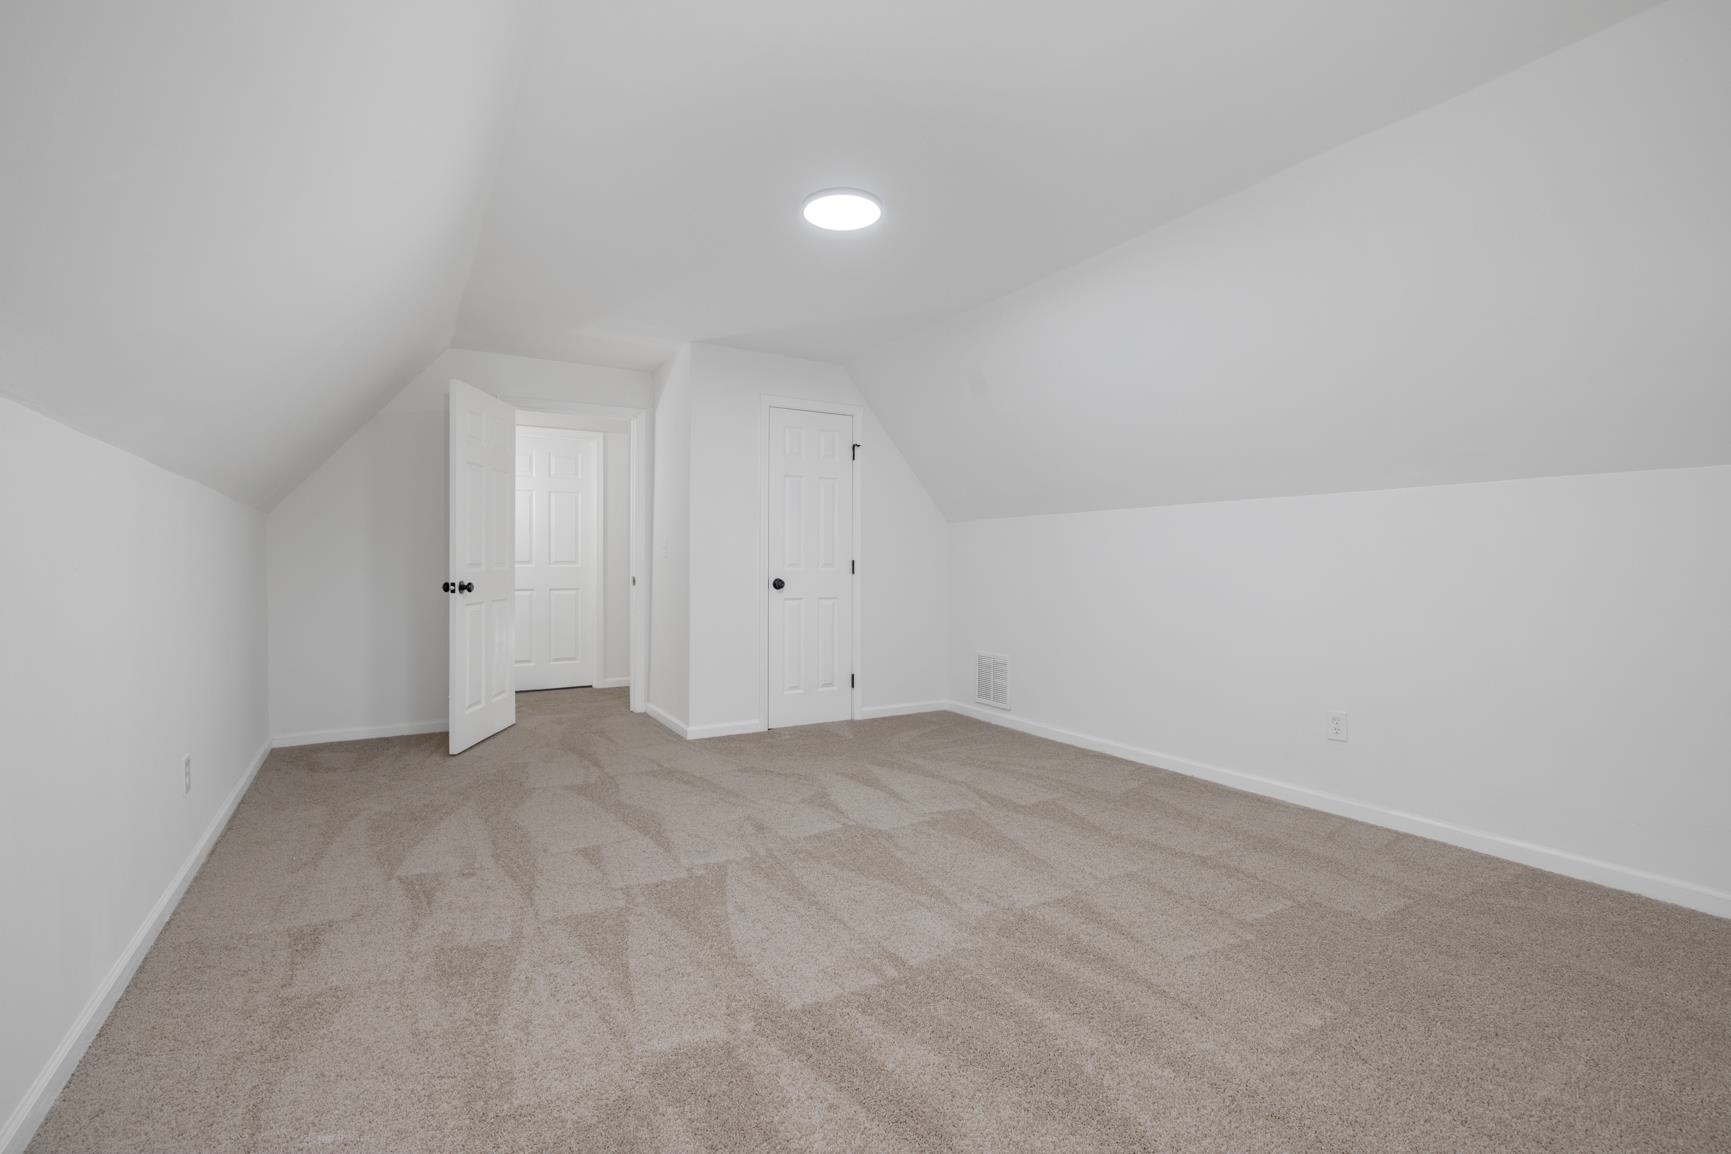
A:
(667, 719)
(724, 729)
(358, 733)
(1665, 889)
(613, 683)
(868, 712)
(37, 1101)
(699, 732)
(755, 725)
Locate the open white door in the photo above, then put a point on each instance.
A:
(482, 579)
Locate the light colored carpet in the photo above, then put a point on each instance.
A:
(919, 934)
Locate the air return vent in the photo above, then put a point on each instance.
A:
(992, 680)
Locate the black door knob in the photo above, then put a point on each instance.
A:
(450, 587)
(778, 583)
(465, 586)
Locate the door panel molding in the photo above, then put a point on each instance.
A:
(838, 652)
(561, 566)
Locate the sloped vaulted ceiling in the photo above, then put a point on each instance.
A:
(650, 190)
(1364, 243)
(1530, 280)
(229, 230)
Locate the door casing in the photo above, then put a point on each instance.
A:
(641, 575)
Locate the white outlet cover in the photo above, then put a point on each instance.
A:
(1336, 726)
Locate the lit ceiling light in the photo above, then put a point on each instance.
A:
(842, 209)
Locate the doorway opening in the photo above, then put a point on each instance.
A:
(548, 577)
(572, 602)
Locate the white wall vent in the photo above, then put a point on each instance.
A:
(992, 680)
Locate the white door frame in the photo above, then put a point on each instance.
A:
(856, 414)
(638, 422)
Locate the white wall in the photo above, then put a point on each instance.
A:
(616, 567)
(254, 218)
(670, 591)
(1529, 280)
(903, 558)
(134, 634)
(357, 553)
(1546, 662)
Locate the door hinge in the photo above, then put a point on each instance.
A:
(853, 566)
(856, 450)
(850, 683)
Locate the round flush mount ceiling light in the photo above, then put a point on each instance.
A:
(842, 209)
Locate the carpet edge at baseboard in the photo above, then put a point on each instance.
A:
(1676, 891)
(27, 1115)
(357, 733)
(903, 709)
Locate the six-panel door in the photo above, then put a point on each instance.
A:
(483, 436)
(811, 554)
(558, 557)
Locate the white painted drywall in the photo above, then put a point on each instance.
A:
(262, 214)
(134, 635)
(616, 563)
(1545, 661)
(356, 553)
(1529, 280)
(903, 547)
(670, 591)
(1007, 139)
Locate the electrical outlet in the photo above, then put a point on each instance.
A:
(187, 765)
(1337, 727)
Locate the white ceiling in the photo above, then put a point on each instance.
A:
(1533, 279)
(228, 231)
(650, 190)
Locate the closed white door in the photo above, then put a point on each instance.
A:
(558, 557)
(810, 567)
(482, 575)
